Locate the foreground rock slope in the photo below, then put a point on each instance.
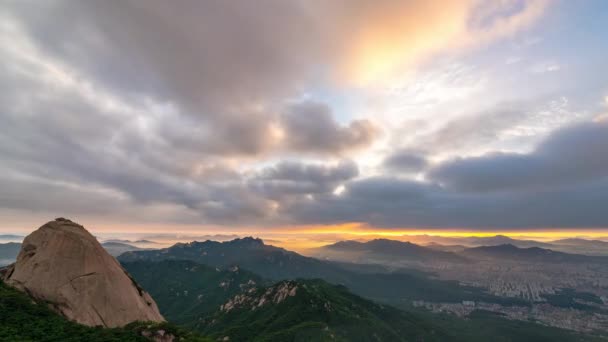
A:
(63, 264)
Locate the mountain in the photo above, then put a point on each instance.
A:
(117, 248)
(63, 264)
(313, 310)
(145, 242)
(502, 240)
(532, 254)
(186, 291)
(399, 287)
(446, 248)
(239, 304)
(252, 254)
(582, 246)
(177, 284)
(581, 242)
(384, 251)
(11, 237)
(131, 241)
(8, 252)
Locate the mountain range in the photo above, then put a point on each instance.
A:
(383, 251)
(531, 254)
(246, 290)
(573, 245)
(396, 286)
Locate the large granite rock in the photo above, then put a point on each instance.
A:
(63, 264)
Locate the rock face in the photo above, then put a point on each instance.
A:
(63, 264)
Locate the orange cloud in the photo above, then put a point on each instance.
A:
(385, 38)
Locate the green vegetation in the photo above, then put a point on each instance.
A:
(569, 298)
(320, 311)
(186, 291)
(403, 287)
(22, 319)
(316, 311)
(397, 288)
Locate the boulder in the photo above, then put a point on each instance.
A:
(62, 264)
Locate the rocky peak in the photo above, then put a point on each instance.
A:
(248, 242)
(63, 264)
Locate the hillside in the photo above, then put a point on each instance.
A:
(22, 319)
(186, 291)
(195, 295)
(252, 254)
(532, 254)
(310, 310)
(399, 288)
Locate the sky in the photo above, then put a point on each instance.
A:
(316, 118)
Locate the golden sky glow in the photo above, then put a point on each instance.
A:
(396, 38)
(302, 238)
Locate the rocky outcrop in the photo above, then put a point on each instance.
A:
(272, 295)
(63, 264)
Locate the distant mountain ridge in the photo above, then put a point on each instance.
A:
(117, 248)
(532, 254)
(250, 253)
(274, 263)
(384, 250)
(141, 241)
(573, 245)
(11, 237)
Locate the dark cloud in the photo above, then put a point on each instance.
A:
(288, 179)
(571, 155)
(390, 202)
(406, 161)
(563, 183)
(310, 127)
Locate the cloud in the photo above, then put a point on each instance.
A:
(397, 203)
(391, 37)
(185, 112)
(570, 155)
(287, 179)
(310, 127)
(562, 183)
(405, 160)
